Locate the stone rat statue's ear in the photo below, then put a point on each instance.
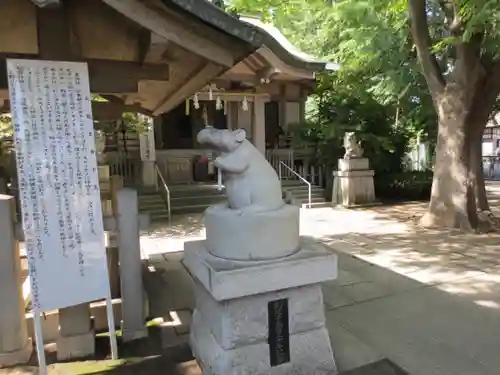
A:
(239, 135)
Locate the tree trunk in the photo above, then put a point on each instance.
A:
(453, 203)
(477, 170)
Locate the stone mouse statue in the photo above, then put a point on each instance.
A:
(252, 184)
(352, 147)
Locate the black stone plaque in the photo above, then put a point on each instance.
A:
(279, 332)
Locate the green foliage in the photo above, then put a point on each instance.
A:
(135, 122)
(6, 133)
(5, 126)
(337, 111)
(403, 186)
(378, 92)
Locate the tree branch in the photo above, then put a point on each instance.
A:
(447, 8)
(468, 66)
(485, 94)
(421, 38)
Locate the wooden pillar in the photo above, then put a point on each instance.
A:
(259, 124)
(282, 108)
(302, 104)
(158, 130)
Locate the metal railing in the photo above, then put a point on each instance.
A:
(277, 156)
(166, 190)
(299, 176)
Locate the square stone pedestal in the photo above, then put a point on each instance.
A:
(261, 318)
(17, 357)
(353, 183)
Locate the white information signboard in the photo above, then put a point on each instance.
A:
(58, 182)
(147, 141)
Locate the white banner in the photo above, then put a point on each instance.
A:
(58, 182)
(147, 141)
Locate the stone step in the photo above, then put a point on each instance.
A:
(302, 187)
(290, 183)
(159, 215)
(199, 200)
(152, 199)
(184, 199)
(176, 195)
(152, 204)
(305, 194)
(194, 190)
(301, 200)
(322, 204)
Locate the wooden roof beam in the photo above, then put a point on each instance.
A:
(173, 31)
(47, 3)
(101, 111)
(200, 77)
(153, 48)
(106, 76)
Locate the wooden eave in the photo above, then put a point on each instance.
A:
(141, 53)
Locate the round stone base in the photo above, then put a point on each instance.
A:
(234, 235)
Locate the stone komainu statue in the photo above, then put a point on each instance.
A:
(352, 146)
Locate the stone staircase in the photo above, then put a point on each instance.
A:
(184, 199)
(195, 198)
(296, 192)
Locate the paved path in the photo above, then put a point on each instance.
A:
(428, 300)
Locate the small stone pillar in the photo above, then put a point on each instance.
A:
(15, 346)
(148, 155)
(353, 183)
(105, 187)
(116, 183)
(76, 334)
(132, 291)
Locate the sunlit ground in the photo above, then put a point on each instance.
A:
(387, 236)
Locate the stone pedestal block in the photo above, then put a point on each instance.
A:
(261, 317)
(353, 183)
(16, 357)
(76, 334)
(353, 164)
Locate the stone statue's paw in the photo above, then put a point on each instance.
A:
(252, 233)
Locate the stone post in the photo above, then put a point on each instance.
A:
(116, 183)
(76, 334)
(132, 292)
(148, 155)
(259, 124)
(15, 346)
